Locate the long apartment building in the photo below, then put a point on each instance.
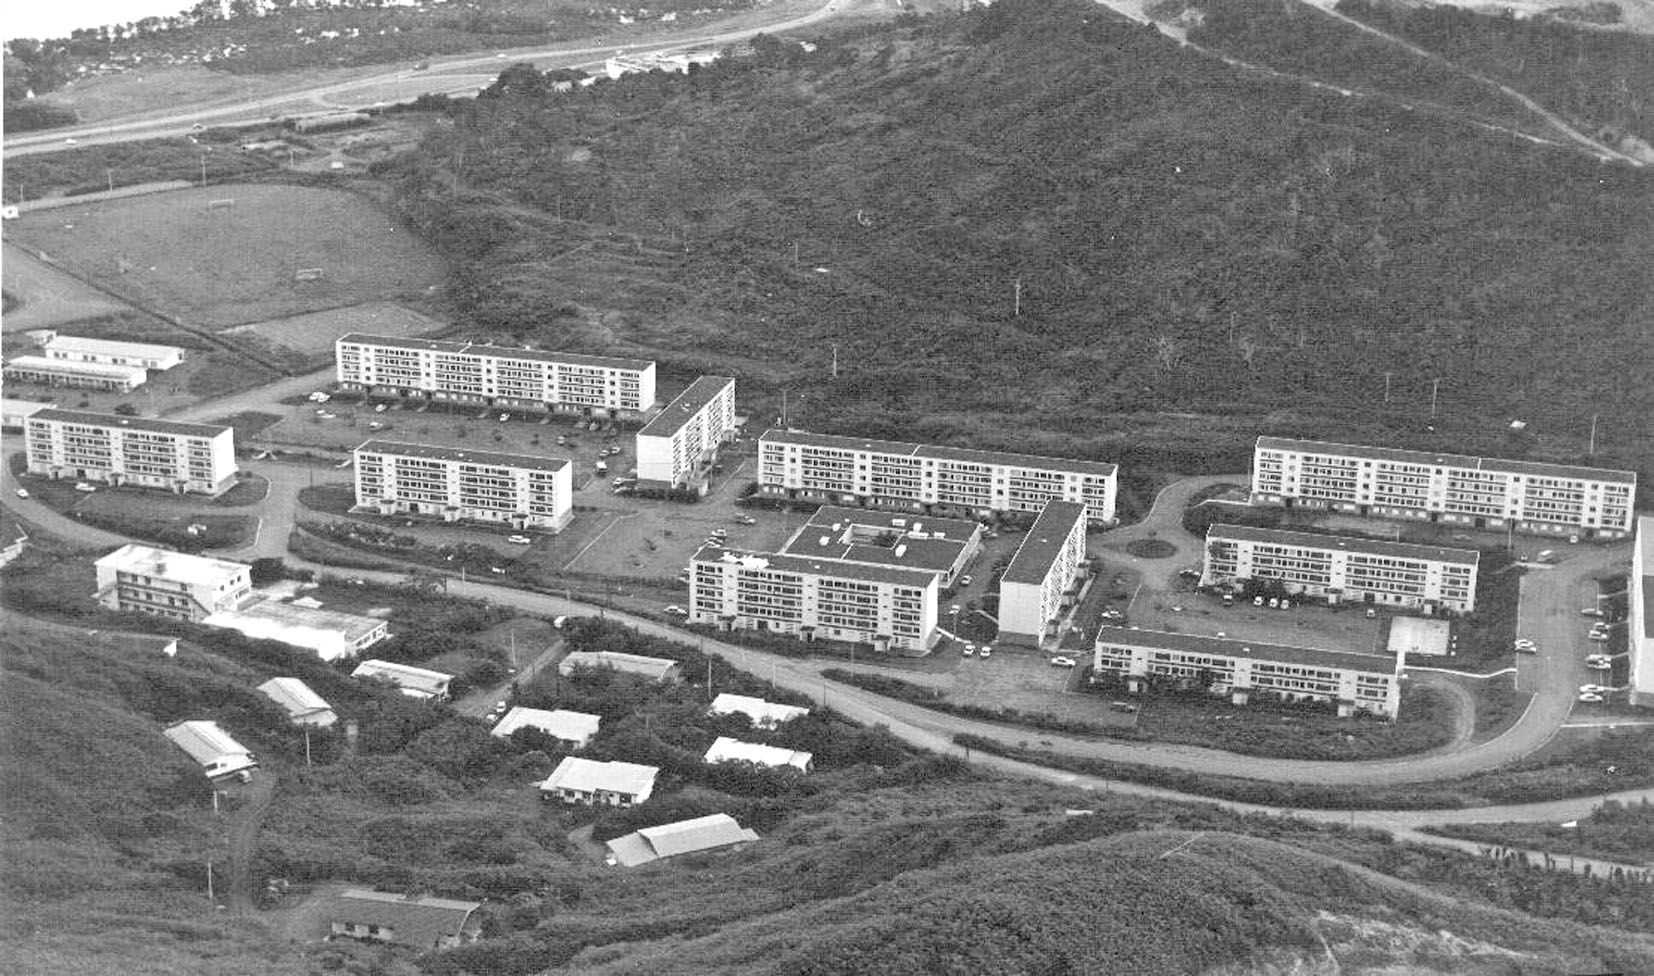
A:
(1356, 682)
(138, 451)
(674, 446)
(854, 470)
(1341, 569)
(171, 584)
(1044, 574)
(1640, 617)
(518, 490)
(1527, 496)
(888, 607)
(495, 376)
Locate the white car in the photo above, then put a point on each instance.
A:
(1599, 665)
(1597, 635)
(965, 580)
(677, 611)
(1064, 662)
(504, 417)
(1592, 612)
(380, 408)
(987, 650)
(968, 650)
(1590, 698)
(1594, 689)
(83, 486)
(22, 493)
(519, 540)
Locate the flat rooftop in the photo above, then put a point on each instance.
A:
(111, 347)
(438, 453)
(1044, 542)
(77, 368)
(941, 528)
(1499, 465)
(1316, 540)
(859, 536)
(176, 566)
(1645, 542)
(502, 352)
(808, 566)
(932, 452)
(1251, 650)
(146, 424)
(685, 406)
(353, 626)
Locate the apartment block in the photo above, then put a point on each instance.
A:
(1640, 621)
(1344, 570)
(171, 584)
(856, 535)
(683, 438)
(890, 608)
(135, 451)
(920, 477)
(495, 376)
(1477, 492)
(1044, 575)
(1355, 681)
(518, 490)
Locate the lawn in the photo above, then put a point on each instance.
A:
(247, 424)
(1617, 831)
(226, 265)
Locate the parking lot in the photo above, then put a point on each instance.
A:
(1304, 625)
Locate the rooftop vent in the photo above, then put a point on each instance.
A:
(901, 550)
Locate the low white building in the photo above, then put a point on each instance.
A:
(332, 634)
(79, 349)
(1044, 576)
(653, 668)
(718, 831)
(519, 490)
(676, 446)
(136, 451)
(726, 749)
(80, 376)
(303, 705)
(763, 714)
(1640, 619)
(411, 681)
(212, 747)
(572, 730)
(170, 584)
(615, 784)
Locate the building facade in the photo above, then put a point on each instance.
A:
(133, 451)
(917, 477)
(1639, 597)
(518, 490)
(890, 608)
(1476, 492)
(144, 579)
(1341, 570)
(411, 681)
(683, 438)
(588, 781)
(1239, 669)
(495, 376)
(77, 349)
(75, 375)
(1045, 574)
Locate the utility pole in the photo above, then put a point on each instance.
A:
(1594, 432)
(1435, 387)
(203, 169)
(1387, 374)
(307, 745)
(835, 372)
(1016, 287)
(110, 175)
(783, 409)
(209, 884)
(795, 254)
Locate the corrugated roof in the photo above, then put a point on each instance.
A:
(76, 367)
(179, 567)
(1505, 465)
(934, 452)
(1044, 542)
(296, 697)
(685, 405)
(676, 839)
(1251, 650)
(1313, 540)
(115, 420)
(440, 453)
(503, 352)
(422, 922)
(404, 676)
(204, 741)
(560, 724)
(112, 347)
(652, 667)
(761, 712)
(590, 776)
(726, 749)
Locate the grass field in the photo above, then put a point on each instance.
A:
(45, 296)
(230, 265)
(312, 334)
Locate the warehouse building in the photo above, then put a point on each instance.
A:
(332, 634)
(495, 376)
(302, 704)
(921, 477)
(762, 714)
(212, 747)
(1640, 620)
(714, 832)
(518, 490)
(109, 352)
(144, 579)
(132, 451)
(1344, 570)
(74, 375)
(1475, 492)
(814, 598)
(679, 444)
(1240, 669)
(411, 681)
(1044, 576)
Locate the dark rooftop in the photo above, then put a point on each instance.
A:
(151, 424)
(493, 458)
(685, 405)
(1503, 465)
(1315, 540)
(916, 578)
(1044, 542)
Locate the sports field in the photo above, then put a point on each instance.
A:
(313, 334)
(229, 255)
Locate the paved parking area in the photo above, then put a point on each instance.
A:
(1302, 626)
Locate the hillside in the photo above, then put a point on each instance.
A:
(1035, 225)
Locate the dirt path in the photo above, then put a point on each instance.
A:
(241, 886)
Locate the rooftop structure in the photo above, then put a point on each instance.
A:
(713, 832)
(332, 634)
(109, 351)
(420, 922)
(726, 749)
(574, 729)
(303, 705)
(859, 535)
(413, 682)
(170, 584)
(762, 713)
(653, 668)
(577, 780)
(212, 747)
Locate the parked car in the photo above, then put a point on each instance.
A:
(1371, 612)
(677, 611)
(1597, 635)
(1594, 689)
(965, 580)
(504, 417)
(1121, 706)
(1599, 665)
(987, 650)
(22, 493)
(1590, 699)
(1286, 604)
(519, 540)
(1593, 612)
(83, 486)
(1064, 662)
(381, 408)
(1274, 603)
(968, 650)
(1257, 601)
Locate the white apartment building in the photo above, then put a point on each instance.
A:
(170, 584)
(858, 535)
(857, 471)
(890, 608)
(137, 451)
(674, 446)
(1527, 496)
(518, 490)
(1342, 569)
(1044, 576)
(1239, 669)
(78, 349)
(1640, 621)
(80, 376)
(495, 376)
